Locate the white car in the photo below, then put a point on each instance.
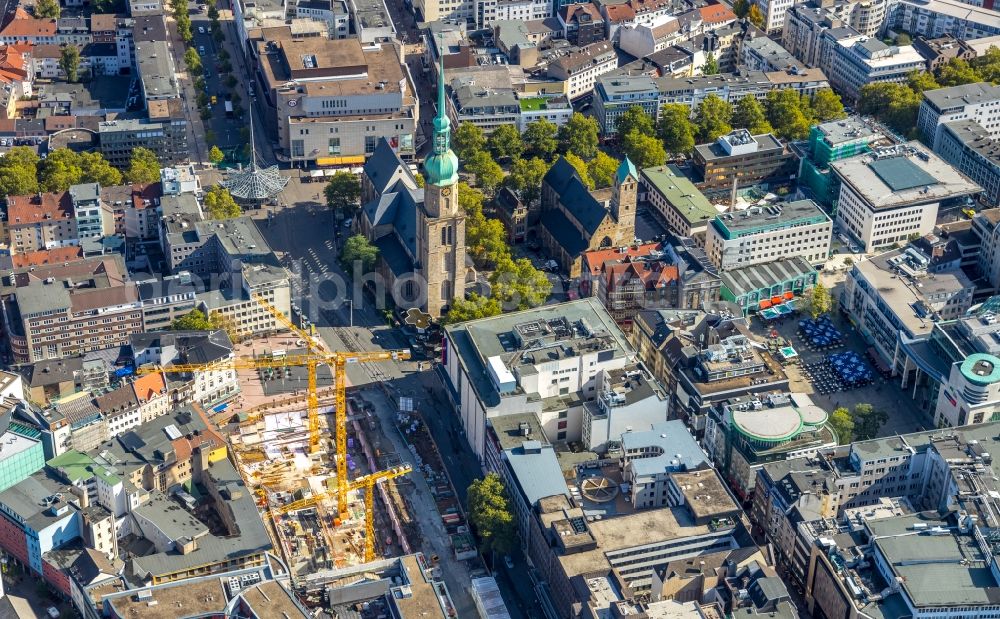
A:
(201, 29)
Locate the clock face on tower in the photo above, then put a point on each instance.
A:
(446, 192)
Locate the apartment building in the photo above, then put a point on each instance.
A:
(616, 94)
(978, 102)
(41, 221)
(859, 61)
(490, 12)
(893, 298)
(442, 10)
(63, 310)
(580, 68)
(485, 382)
(214, 349)
(758, 235)
(330, 101)
(764, 54)
(732, 87)
(894, 192)
(582, 23)
(936, 18)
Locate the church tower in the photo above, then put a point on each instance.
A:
(440, 223)
(623, 202)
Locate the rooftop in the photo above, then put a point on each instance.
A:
(715, 151)
(681, 193)
(759, 276)
(668, 446)
(756, 219)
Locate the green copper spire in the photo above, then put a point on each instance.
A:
(441, 168)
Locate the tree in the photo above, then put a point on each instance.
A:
(579, 136)
(195, 320)
(486, 239)
(676, 129)
(602, 169)
(490, 513)
(231, 327)
(231, 81)
(18, 172)
(956, 72)
(540, 139)
(894, 104)
(712, 118)
(787, 114)
(467, 139)
(343, 193)
(903, 39)
(215, 155)
(213, 13)
(505, 142)
(220, 203)
(867, 421)
(818, 300)
(634, 119)
(517, 284)
(826, 106)
(750, 115)
(193, 61)
(644, 150)
(96, 169)
(526, 178)
(143, 167)
(988, 65)
(488, 172)
(473, 308)
(919, 81)
(358, 250)
(581, 168)
(711, 66)
(756, 16)
(69, 62)
(59, 170)
(843, 424)
(741, 8)
(47, 9)
(470, 199)
(418, 178)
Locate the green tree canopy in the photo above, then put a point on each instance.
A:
(488, 172)
(96, 169)
(476, 306)
(419, 179)
(581, 168)
(787, 113)
(470, 199)
(750, 115)
(919, 81)
(894, 104)
(712, 118)
(195, 320)
(505, 142)
(602, 169)
(486, 240)
(956, 72)
(903, 39)
(826, 106)
(711, 66)
(357, 249)
(843, 424)
(18, 172)
(517, 284)
(634, 119)
(644, 149)
(867, 421)
(59, 170)
(47, 9)
(526, 178)
(193, 61)
(741, 8)
(756, 16)
(144, 167)
(676, 129)
(69, 62)
(540, 139)
(467, 139)
(220, 204)
(343, 193)
(490, 513)
(579, 136)
(215, 155)
(988, 65)
(818, 300)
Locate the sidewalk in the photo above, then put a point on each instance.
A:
(195, 128)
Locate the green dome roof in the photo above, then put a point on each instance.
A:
(441, 168)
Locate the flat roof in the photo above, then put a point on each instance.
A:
(847, 130)
(676, 449)
(883, 181)
(755, 220)
(962, 95)
(156, 69)
(680, 192)
(981, 369)
(536, 470)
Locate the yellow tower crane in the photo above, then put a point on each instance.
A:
(366, 483)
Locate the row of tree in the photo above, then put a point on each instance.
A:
(897, 104)
(860, 424)
(23, 172)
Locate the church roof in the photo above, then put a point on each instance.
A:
(393, 254)
(382, 166)
(565, 181)
(626, 169)
(563, 231)
(397, 208)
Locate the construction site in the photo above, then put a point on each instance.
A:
(312, 454)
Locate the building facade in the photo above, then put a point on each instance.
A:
(763, 234)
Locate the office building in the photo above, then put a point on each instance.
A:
(732, 87)
(738, 159)
(892, 297)
(744, 434)
(216, 384)
(760, 234)
(486, 381)
(935, 18)
(892, 193)
(627, 399)
(829, 142)
(330, 101)
(616, 94)
(482, 103)
(763, 54)
(860, 60)
(977, 102)
(684, 208)
(167, 138)
(155, 66)
(23, 453)
(975, 152)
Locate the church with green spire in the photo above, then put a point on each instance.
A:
(419, 232)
